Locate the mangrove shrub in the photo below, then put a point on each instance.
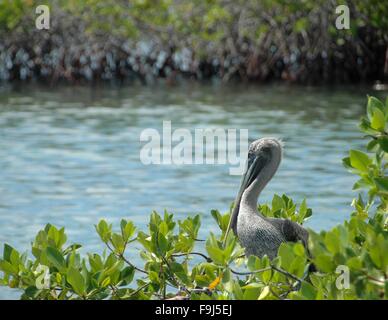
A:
(293, 41)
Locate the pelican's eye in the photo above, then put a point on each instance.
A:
(266, 149)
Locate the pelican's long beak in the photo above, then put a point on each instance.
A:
(254, 167)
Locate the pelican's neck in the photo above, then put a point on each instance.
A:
(248, 204)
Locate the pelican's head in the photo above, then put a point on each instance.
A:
(264, 156)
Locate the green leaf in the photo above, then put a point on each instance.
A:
(266, 276)
(286, 254)
(382, 184)
(127, 274)
(383, 142)
(216, 254)
(374, 253)
(56, 258)
(354, 263)
(162, 243)
(378, 120)
(254, 263)
(372, 145)
(346, 163)
(106, 282)
(95, 262)
(118, 242)
(154, 277)
(264, 293)
(76, 280)
(214, 250)
(127, 229)
(332, 242)
(303, 209)
(277, 203)
(7, 252)
(104, 230)
(32, 292)
(324, 263)
(237, 290)
(58, 278)
(252, 291)
(308, 291)
(359, 160)
(217, 217)
(299, 249)
(163, 228)
(7, 267)
(373, 105)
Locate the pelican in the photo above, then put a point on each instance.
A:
(260, 235)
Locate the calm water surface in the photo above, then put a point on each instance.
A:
(70, 156)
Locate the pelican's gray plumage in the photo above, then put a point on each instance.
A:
(260, 235)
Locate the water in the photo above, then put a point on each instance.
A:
(70, 156)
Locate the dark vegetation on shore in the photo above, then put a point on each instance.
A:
(91, 41)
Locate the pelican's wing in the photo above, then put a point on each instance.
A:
(294, 232)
